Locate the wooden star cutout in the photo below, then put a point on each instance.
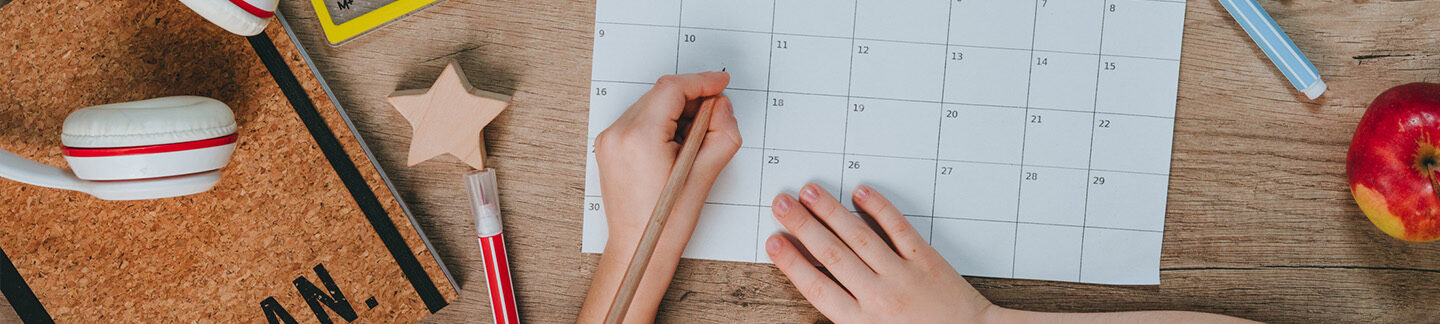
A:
(449, 117)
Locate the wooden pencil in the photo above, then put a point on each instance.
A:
(678, 175)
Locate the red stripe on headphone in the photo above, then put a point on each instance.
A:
(252, 9)
(150, 149)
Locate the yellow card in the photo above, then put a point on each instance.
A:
(343, 20)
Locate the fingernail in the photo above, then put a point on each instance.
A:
(862, 193)
(808, 195)
(781, 207)
(772, 245)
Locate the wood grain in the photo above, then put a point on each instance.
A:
(1260, 222)
(448, 118)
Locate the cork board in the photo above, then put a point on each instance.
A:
(281, 219)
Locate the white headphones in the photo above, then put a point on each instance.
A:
(149, 149)
(156, 148)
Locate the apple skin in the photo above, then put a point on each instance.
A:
(1394, 162)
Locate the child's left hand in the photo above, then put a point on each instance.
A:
(874, 283)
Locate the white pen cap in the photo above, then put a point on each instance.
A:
(484, 201)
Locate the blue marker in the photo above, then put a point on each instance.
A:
(1277, 46)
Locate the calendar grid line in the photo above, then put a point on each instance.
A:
(952, 160)
(1024, 134)
(935, 179)
(762, 206)
(769, 70)
(1090, 160)
(911, 100)
(956, 161)
(849, 88)
(947, 44)
(679, 33)
(1048, 224)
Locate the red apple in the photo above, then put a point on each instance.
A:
(1394, 163)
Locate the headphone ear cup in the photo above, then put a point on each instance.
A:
(151, 138)
(147, 122)
(241, 17)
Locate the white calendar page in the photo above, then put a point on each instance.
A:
(1023, 139)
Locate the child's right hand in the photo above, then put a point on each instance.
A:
(910, 283)
(907, 283)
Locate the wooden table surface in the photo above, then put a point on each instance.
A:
(1260, 221)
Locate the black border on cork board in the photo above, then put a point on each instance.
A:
(30, 310)
(19, 294)
(349, 174)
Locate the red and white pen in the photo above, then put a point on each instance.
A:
(485, 201)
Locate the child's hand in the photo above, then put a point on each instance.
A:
(635, 156)
(636, 153)
(876, 284)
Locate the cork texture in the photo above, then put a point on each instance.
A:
(279, 211)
